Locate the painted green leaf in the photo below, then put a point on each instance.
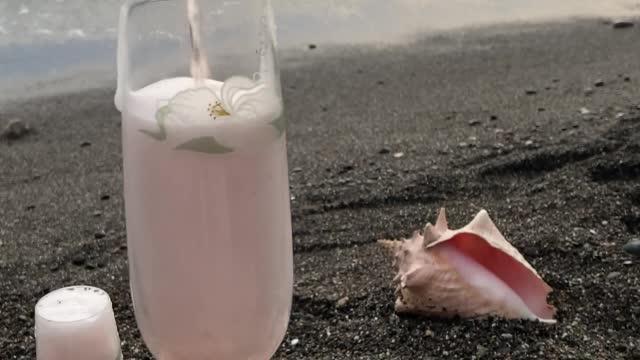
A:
(161, 115)
(158, 135)
(207, 145)
(280, 124)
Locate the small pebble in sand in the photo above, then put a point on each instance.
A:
(85, 144)
(312, 46)
(622, 24)
(295, 342)
(584, 111)
(530, 91)
(507, 336)
(588, 91)
(474, 122)
(342, 302)
(627, 263)
(296, 170)
(493, 117)
(613, 275)
(429, 333)
(632, 247)
(345, 169)
(78, 260)
(15, 129)
(538, 187)
(384, 151)
(398, 155)
(598, 83)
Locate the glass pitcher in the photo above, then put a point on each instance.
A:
(206, 189)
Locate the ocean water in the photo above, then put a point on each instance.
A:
(71, 43)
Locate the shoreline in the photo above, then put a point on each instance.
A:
(93, 74)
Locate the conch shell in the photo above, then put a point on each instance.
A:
(470, 272)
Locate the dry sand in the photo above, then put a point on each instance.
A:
(561, 185)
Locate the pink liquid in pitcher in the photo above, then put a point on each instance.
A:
(209, 236)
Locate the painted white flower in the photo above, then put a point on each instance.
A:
(249, 99)
(243, 113)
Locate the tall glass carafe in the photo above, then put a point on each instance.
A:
(205, 175)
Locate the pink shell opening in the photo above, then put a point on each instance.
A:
(525, 284)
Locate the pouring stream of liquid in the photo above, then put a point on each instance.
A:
(199, 61)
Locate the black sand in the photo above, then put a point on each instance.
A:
(561, 185)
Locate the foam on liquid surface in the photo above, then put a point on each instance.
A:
(73, 304)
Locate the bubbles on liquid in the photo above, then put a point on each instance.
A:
(72, 303)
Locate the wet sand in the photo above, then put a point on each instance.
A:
(379, 139)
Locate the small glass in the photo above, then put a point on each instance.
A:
(76, 322)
